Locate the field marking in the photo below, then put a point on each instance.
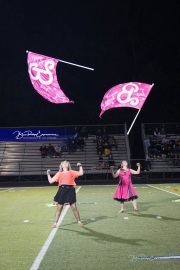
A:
(158, 217)
(164, 190)
(46, 245)
(87, 203)
(5, 190)
(153, 258)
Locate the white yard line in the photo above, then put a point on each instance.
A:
(164, 190)
(5, 190)
(46, 245)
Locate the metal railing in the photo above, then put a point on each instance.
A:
(20, 170)
(167, 171)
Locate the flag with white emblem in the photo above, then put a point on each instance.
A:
(42, 72)
(132, 94)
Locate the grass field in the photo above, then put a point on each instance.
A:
(145, 240)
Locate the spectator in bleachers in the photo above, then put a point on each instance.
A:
(58, 151)
(107, 148)
(81, 144)
(105, 134)
(100, 147)
(111, 160)
(155, 149)
(164, 146)
(158, 151)
(171, 157)
(148, 144)
(50, 150)
(71, 145)
(99, 134)
(101, 162)
(43, 150)
(75, 142)
(83, 133)
(147, 164)
(156, 132)
(172, 144)
(112, 142)
(151, 148)
(76, 133)
(163, 132)
(64, 146)
(149, 131)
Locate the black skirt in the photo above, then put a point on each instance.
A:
(65, 194)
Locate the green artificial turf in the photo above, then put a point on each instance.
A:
(108, 240)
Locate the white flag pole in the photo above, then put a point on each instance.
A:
(133, 122)
(72, 64)
(136, 117)
(75, 64)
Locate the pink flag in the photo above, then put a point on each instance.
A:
(132, 94)
(42, 72)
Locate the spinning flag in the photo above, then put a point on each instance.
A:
(42, 72)
(132, 94)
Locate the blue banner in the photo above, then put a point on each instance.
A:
(36, 134)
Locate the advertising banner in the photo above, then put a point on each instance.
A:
(36, 134)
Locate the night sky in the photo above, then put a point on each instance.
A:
(123, 41)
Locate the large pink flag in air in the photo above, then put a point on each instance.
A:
(42, 72)
(132, 94)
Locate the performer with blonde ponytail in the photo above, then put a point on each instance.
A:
(66, 192)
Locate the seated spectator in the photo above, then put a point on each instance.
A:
(171, 156)
(105, 134)
(101, 162)
(83, 133)
(147, 164)
(156, 132)
(147, 144)
(64, 146)
(112, 142)
(111, 160)
(71, 145)
(107, 148)
(58, 151)
(149, 131)
(159, 150)
(172, 144)
(43, 150)
(76, 133)
(81, 144)
(75, 143)
(50, 150)
(155, 150)
(99, 134)
(163, 132)
(100, 147)
(162, 135)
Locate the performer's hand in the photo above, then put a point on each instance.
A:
(48, 172)
(138, 164)
(79, 164)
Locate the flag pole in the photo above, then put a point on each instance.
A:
(75, 64)
(72, 64)
(136, 116)
(133, 122)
